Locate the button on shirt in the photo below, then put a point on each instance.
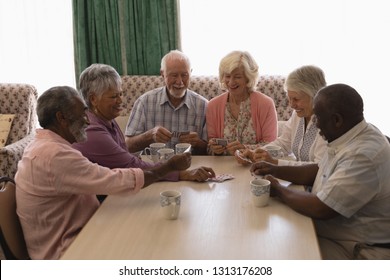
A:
(354, 180)
(56, 191)
(153, 109)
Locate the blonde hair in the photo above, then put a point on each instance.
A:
(308, 79)
(237, 59)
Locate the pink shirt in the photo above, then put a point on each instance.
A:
(56, 191)
(263, 111)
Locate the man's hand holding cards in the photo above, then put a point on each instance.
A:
(177, 134)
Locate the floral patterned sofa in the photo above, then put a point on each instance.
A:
(207, 86)
(19, 100)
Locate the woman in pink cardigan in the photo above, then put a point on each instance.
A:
(245, 118)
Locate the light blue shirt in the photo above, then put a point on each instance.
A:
(153, 108)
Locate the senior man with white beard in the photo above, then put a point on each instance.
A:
(56, 186)
(171, 114)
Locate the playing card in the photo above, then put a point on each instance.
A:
(177, 134)
(222, 142)
(221, 178)
(240, 155)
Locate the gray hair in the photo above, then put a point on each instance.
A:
(174, 55)
(308, 79)
(237, 59)
(98, 78)
(56, 99)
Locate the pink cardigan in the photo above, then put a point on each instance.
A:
(264, 117)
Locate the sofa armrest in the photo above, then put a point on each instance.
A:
(11, 154)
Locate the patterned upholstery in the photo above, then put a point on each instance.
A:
(21, 100)
(207, 86)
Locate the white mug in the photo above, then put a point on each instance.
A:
(165, 154)
(170, 204)
(152, 151)
(260, 190)
(274, 151)
(182, 148)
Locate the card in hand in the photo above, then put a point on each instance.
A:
(221, 141)
(177, 134)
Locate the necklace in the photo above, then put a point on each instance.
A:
(234, 107)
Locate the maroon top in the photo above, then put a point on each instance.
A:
(106, 146)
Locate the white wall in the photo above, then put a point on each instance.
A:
(348, 39)
(36, 43)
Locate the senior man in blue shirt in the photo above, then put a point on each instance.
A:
(171, 114)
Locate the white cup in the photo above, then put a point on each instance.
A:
(152, 151)
(170, 204)
(260, 189)
(165, 154)
(182, 147)
(274, 151)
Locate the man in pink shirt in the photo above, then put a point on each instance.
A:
(56, 185)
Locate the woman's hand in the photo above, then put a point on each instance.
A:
(214, 148)
(263, 155)
(233, 146)
(244, 157)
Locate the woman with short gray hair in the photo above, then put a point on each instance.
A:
(101, 86)
(300, 137)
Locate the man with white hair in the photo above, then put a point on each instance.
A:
(171, 114)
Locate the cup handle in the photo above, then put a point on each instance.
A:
(173, 205)
(149, 155)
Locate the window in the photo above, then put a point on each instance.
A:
(346, 38)
(36, 43)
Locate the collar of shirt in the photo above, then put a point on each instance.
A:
(165, 99)
(95, 119)
(312, 121)
(48, 134)
(343, 141)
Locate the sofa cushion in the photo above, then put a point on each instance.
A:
(207, 86)
(122, 122)
(5, 127)
(20, 100)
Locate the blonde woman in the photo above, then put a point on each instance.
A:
(242, 116)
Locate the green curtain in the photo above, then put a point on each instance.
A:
(151, 31)
(130, 35)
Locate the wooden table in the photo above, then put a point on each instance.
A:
(216, 221)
